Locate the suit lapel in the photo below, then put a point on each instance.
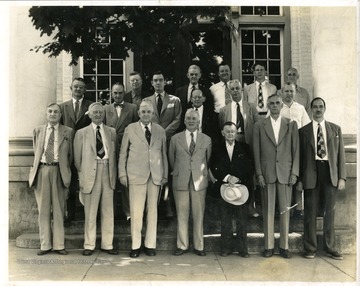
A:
(182, 142)
(107, 139)
(269, 130)
(90, 134)
(70, 110)
(140, 133)
(165, 102)
(62, 134)
(329, 132)
(284, 126)
(124, 113)
(83, 109)
(199, 142)
(42, 138)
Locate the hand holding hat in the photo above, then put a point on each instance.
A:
(236, 194)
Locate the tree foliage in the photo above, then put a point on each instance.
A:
(85, 31)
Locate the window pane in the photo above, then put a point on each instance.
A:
(247, 52)
(116, 67)
(90, 82)
(274, 37)
(246, 66)
(273, 10)
(275, 80)
(89, 67)
(260, 52)
(247, 10)
(274, 67)
(103, 82)
(103, 67)
(260, 10)
(274, 52)
(247, 36)
(115, 79)
(90, 95)
(260, 36)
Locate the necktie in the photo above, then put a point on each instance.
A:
(100, 151)
(159, 103)
(77, 105)
(321, 152)
(121, 105)
(196, 109)
(228, 97)
(260, 97)
(192, 144)
(239, 118)
(49, 152)
(147, 134)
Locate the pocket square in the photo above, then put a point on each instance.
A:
(170, 105)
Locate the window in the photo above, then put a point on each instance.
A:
(264, 38)
(100, 75)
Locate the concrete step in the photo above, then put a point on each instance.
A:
(345, 241)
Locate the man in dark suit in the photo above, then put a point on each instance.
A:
(143, 167)
(189, 156)
(50, 176)
(276, 156)
(73, 116)
(95, 149)
(231, 163)
(119, 115)
(322, 174)
(136, 95)
(184, 92)
(244, 116)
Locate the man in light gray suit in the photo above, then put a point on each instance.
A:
(95, 159)
(50, 176)
(189, 155)
(143, 167)
(276, 156)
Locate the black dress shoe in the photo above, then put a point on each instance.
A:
(180, 251)
(225, 253)
(150, 251)
(268, 253)
(334, 255)
(43, 252)
(244, 254)
(87, 252)
(61, 252)
(285, 253)
(199, 252)
(134, 253)
(110, 251)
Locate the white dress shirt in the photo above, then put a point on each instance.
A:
(200, 110)
(323, 129)
(188, 137)
(276, 127)
(103, 137)
(56, 142)
(296, 112)
(218, 92)
(80, 102)
(190, 88)
(118, 109)
(265, 95)
(230, 150)
(234, 112)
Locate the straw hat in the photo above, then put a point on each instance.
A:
(236, 194)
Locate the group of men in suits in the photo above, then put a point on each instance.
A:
(129, 142)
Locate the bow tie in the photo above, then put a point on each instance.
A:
(121, 105)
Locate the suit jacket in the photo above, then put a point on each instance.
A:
(170, 115)
(276, 161)
(250, 117)
(85, 156)
(251, 95)
(68, 115)
(138, 159)
(185, 165)
(128, 115)
(241, 165)
(65, 151)
(335, 153)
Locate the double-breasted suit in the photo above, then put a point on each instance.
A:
(320, 180)
(249, 115)
(51, 185)
(97, 178)
(170, 115)
(240, 165)
(190, 180)
(276, 162)
(146, 168)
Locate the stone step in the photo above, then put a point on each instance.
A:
(210, 226)
(345, 241)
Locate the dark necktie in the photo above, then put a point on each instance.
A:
(260, 97)
(159, 103)
(321, 152)
(49, 152)
(100, 151)
(239, 118)
(192, 144)
(147, 134)
(77, 106)
(193, 87)
(228, 97)
(121, 105)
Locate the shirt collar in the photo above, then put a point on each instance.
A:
(199, 108)
(188, 132)
(94, 126)
(322, 123)
(143, 125)
(228, 145)
(161, 93)
(275, 121)
(234, 103)
(80, 100)
(191, 85)
(56, 126)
